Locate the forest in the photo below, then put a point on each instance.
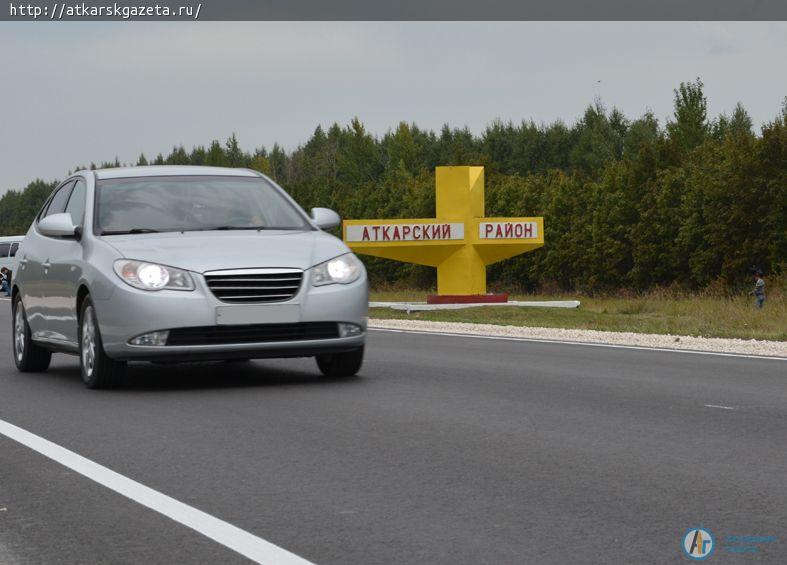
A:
(693, 203)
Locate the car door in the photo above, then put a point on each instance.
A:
(65, 258)
(34, 264)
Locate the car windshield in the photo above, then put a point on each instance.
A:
(192, 203)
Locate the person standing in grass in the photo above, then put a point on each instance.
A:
(759, 289)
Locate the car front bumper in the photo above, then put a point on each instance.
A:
(127, 312)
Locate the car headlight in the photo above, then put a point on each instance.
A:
(340, 270)
(152, 276)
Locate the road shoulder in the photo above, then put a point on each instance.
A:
(754, 347)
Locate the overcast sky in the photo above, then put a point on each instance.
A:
(72, 93)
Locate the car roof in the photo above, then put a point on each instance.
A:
(171, 170)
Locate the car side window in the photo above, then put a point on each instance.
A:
(4, 248)
(14, 247)
(76, 203)
(57, 204)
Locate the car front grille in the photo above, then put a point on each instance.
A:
(254, 285)
(253, 333)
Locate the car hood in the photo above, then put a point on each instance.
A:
(208, 251)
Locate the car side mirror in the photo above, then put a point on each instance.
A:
(325, 218)
(58, 225)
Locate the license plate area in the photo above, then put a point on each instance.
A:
(258, 314)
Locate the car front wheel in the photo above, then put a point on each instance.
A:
(98, 370)
(29, 357)
(345, 364)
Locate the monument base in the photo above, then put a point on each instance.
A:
(466, 298)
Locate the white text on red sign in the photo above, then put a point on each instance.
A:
(508, 230)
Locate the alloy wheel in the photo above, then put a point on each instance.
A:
(19, 333)
(88, 342)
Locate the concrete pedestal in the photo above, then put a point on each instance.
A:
(467, 298)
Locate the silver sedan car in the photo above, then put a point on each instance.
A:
(178, 263)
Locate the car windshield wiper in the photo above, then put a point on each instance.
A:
(123, 232)
(227, 228)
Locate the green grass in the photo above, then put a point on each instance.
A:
(656, 313)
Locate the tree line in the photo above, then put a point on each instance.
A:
(628, 203)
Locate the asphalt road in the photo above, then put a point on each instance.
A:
(445, 450)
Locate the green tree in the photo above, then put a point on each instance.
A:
(234, 155)
(690, 126)
(626, 203)
(215, 156)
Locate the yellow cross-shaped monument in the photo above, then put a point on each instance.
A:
(460, 242)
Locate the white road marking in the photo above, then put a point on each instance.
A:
(718, 406)
(590, 344)
(232, 537)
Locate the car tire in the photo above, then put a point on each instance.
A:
(334, 365)
(98, 370)
(29, 357)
